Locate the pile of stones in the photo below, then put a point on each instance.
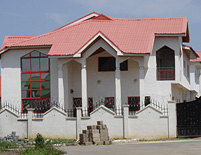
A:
(10, 138)
(95, 134)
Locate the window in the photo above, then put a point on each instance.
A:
(35, 81)
(134, 103)
(147, 100)
(165, 60)
(109, 64)
(109, 102)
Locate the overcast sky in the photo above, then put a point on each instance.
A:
(35, 17)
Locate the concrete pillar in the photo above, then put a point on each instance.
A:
(29, 123)
(60, 85)
(172, 119)
(125, 123)
(141, 82)
(118, 85)
(78, 121)
(84, 88)
(66, 87)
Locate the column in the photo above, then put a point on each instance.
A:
(125, 127)
(60, 85)
(78, 122)
(172, 119)
(29, 123)
(118, 85)
(141, 82)
(84, 88)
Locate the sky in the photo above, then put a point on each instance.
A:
(36, 17)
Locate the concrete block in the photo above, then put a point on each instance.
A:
(96, 139)
(93, 131)
(87, 143)
(99, 122)
(99, 143)
(94, 135)
(109, 142)
(85, 131)
(99, 127)
(91, 127)
(104, 138)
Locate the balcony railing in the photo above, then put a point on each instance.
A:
(165, 73)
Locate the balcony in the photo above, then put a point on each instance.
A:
(165, 73)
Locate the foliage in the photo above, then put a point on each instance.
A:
(41, 151)
(40, 143)
(4, 146)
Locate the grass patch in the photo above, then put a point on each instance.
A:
(41, 151)
(4, 146)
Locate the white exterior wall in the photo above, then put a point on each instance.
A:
(11, 75)
(161, 90)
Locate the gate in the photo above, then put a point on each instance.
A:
(189, 119)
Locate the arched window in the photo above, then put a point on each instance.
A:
(35, 81)
(165, 59)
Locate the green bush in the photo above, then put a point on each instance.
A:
(40, 143)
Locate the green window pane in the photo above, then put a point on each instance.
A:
(35, 93)
(35, 76)
(35, 64)
(25, 85)
(44, 64)
(25, 94)
(45, 93)
(43, 55)
(25, 65)
(35, 85)
(45, 84)
(26, 77)
(28, 55)
(45, 76)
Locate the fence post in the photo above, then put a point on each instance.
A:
(78, 122)
(125, 121)
(29, 123)
(172, 119)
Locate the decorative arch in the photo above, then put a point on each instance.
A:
(165, 59)
(35, 81)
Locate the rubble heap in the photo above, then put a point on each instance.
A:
(10, 138)
(95, 134)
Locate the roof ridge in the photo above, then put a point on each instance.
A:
(52, 32)
(139, 19)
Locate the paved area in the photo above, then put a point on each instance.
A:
(188, 147)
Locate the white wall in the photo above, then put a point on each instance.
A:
(11, 75)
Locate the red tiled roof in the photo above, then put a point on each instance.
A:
(9, 40)
(199, 58)
(128, 35)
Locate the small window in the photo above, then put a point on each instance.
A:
(184, 64)
(90, 105)
(147, 100)
(134, 103)
(109, 102)
(109, 64)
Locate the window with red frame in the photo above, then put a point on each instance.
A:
(35, 81)
(134, 103)
(109, 102)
